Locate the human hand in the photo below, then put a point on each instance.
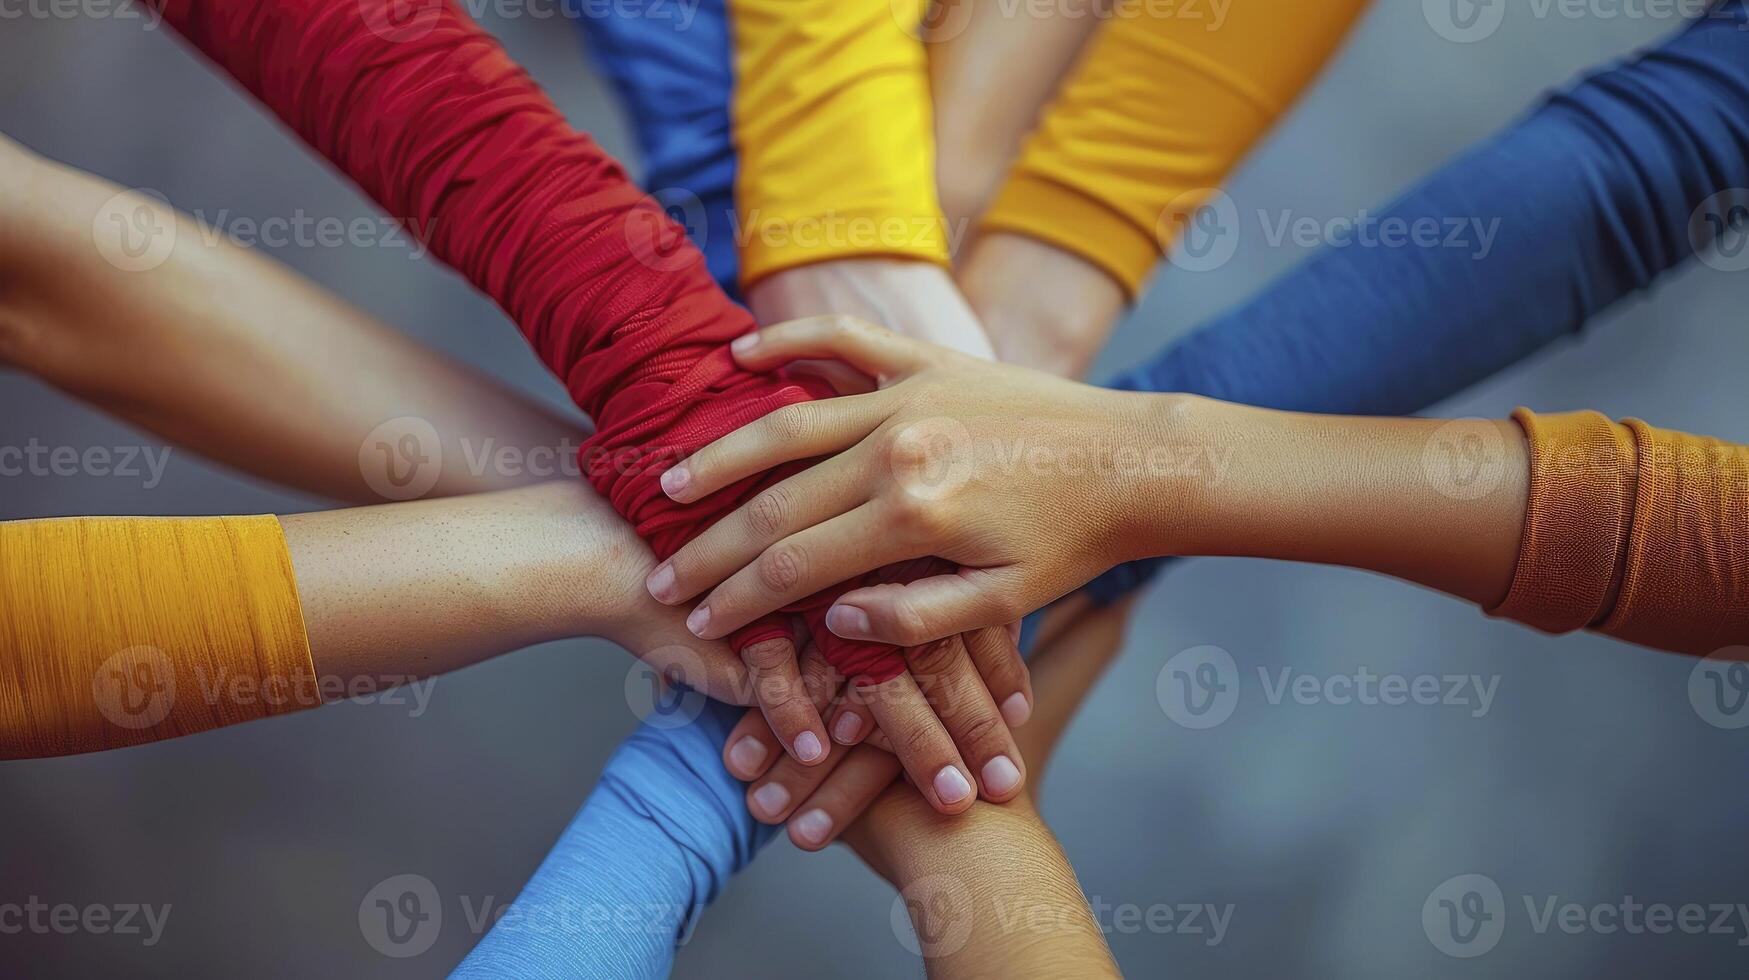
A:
(914, 298)
(1044, 307)
(938, 716)
(1021, 479)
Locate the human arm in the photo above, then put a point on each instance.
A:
(1473, 508)
(219, 349)
(123, 630)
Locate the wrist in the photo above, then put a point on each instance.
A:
(917, 299)
(1185, 463)
(1044, 307)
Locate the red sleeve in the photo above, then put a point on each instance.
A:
(426, 112)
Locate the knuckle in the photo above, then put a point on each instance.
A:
(790, 423)
(932, 658)
(914, 740)
(909, 624)
(780, 567)
(766, 657)
(981, 729)
(768, 513)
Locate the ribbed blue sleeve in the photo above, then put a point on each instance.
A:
(1591, 197)
(675, 77)
(652, 846)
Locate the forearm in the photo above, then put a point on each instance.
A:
(222, 350)
(425, 587)
(990, 892)
(1435, 502)
(918, 299)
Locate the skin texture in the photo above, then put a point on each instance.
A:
(230, 354)
(427, 587)
(999, 856)
(937, 462)
(944, 717)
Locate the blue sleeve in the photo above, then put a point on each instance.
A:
(1592, 197)
(653, 845)
(675, 77)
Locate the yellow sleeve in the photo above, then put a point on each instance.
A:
(833, 134)
(116, 630)
(1160, 109)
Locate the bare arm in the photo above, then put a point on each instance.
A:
(222, 350)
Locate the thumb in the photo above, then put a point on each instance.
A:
(913, 613)
(874, 351)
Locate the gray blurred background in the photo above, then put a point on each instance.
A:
(1322, 830)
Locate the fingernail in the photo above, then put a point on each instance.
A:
(951, 786)
(744, 343)
(848, 622)
(1015, 710)
(675, 479)
(846, 727)
(747, 755)
(661, 582)
(770, 799)
(808, 747)
(814, 826)
(699, 619)
(1000, 776)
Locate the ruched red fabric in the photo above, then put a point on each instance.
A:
(429, 115)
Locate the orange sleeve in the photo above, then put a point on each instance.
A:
(1162, 106)
(1636, 532)
(116, 631)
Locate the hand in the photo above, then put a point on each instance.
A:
(1044, 307)
(914, 298)
(1021, 479)
(822, 802)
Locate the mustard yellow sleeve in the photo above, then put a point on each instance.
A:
(833, 134)
(1164, 103)
(116, 631)
(1636, 532)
